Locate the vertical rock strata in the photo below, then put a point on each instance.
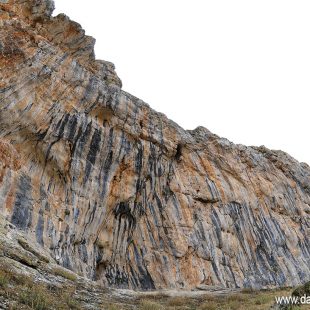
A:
(119, 193)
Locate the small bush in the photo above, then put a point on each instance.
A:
(302, 290)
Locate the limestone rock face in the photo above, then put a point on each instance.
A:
(120, 194)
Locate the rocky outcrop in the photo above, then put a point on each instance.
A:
(120, 194)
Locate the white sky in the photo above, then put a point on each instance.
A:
(239, 68)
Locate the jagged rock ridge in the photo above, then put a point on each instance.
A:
(122, 195)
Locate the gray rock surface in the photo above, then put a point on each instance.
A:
(120, 194)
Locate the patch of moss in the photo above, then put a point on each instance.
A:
(65, 274)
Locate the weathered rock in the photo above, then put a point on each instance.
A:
(120, 194)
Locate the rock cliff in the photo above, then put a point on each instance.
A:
(120, 194)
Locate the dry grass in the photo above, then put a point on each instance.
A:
(247, 300)
(36, 298)
(4, 280)
(178, 301)
(150, 305)
(65, 274)
(112, 307)
(23, 293)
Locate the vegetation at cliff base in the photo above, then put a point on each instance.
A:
(18, 291)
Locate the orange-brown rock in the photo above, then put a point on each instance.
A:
(124, 196)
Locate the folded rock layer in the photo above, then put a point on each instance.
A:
(122, 195)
